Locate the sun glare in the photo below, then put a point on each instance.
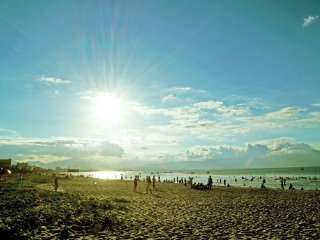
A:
(106, 108)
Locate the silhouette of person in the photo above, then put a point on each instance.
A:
(154, 182)
(56, 184)
(210, 182)
(135, 183)
(148, 180)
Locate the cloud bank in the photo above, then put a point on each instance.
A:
(60, 151)
(98, 154)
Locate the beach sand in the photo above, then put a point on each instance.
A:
(86, 208)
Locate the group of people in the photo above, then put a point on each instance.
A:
(207, 186)
(283, 182)
(149, 182)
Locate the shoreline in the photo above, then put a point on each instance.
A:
(86, 208)
(254, 180)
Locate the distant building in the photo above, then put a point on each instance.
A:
(5, 163)
(23, 165)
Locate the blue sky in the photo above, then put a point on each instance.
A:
(160, 81)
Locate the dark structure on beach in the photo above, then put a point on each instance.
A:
(5, 163)
(73, 170)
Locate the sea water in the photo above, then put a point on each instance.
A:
(307, 178)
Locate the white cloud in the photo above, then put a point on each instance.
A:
(309, 20)
(274, 143)
(185, 89)
(222, 109)
(180, 89)
(280, 115)
(316, 114)
(290, 148)
(210, 120)
(316, 104)
(53, 80)
(193, 111)
(209, 105)
(7, 133)
(285, 113)
(220, 123)
(168, 98)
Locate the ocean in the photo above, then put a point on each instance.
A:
(307, 178)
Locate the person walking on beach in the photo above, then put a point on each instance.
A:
(148, 180)
(210, 182)
(56, 184)
(135, 183)
(154, 182)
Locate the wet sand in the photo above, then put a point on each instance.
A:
(84, 208)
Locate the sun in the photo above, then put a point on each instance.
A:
(107, 108)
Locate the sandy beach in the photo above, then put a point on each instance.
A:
(86, 208)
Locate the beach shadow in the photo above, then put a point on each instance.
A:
(155, 195)
(152, 195)
(158, 190)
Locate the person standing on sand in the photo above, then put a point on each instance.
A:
(148, 180)
(282, 183)
(56, 184)
(154, 182)
(135, 183)
(210, 182)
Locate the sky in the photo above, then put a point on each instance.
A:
(128, 84)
